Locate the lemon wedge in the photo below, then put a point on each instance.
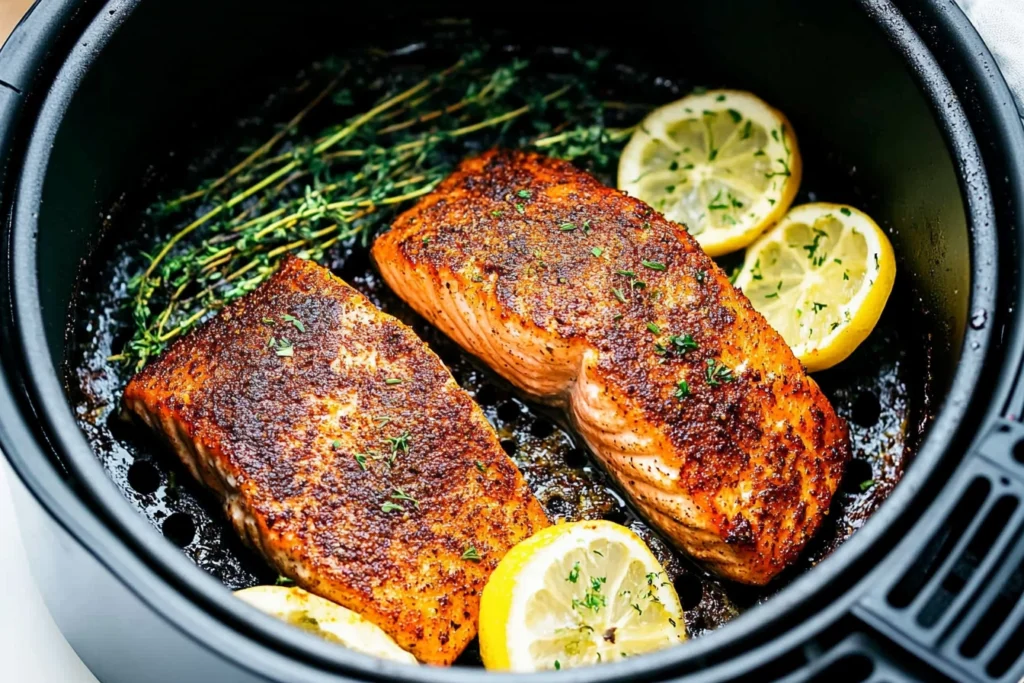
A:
(325, 619)
(821, 277)
(722, 163)
(577, 594)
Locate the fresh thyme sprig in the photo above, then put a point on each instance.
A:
(400, 133)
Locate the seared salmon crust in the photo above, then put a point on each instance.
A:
(588, 299)
(345, 453)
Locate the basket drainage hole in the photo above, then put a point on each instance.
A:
(857, 472)
(508, 412)
(1018, 451)
(487, 395)
(557, 507)
(690, 590)
(510, 446)
(865, 410)
(542, 429)
(575, 458)
(143, 477)
(179, 529)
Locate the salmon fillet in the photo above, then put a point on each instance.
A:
(588, 299)
(345, 453)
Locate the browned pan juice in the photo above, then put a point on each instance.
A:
(883, 390)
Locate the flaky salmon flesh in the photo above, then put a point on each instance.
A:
(587, 299)
(345, 453)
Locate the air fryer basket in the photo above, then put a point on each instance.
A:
(918, 591)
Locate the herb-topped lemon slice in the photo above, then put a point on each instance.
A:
(821, 277)
(722, 163)
(577, 594)
(325, 619)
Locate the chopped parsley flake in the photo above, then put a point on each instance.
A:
(294, 321)
(391, 507)
(392, 381)
(399, 494)
(400, 443)
(717, 202)
(597, 251)
(566, 227)
(574, 573)
(619, 295)
(844, 211)
(654, 329)
(525, 194)
(865, 485)
(653, 265)
(755, 272)
(284, 348)
(717, 372)
(471, 554)
(683, 342)
(682, 389)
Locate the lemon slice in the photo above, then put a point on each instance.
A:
(821, 277)
(577, 594)
(722, 163)
(325, 619)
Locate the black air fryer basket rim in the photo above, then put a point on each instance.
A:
(160, 575)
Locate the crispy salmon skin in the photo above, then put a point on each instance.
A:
(345, 453)
(585, 298)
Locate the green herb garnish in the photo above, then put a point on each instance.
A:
(399, 494)
(682, 389)
(716, 373)
(284, 348)
(294, 321)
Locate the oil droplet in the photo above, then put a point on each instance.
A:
(978, 318)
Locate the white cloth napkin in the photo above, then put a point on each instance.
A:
(1001, 25)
